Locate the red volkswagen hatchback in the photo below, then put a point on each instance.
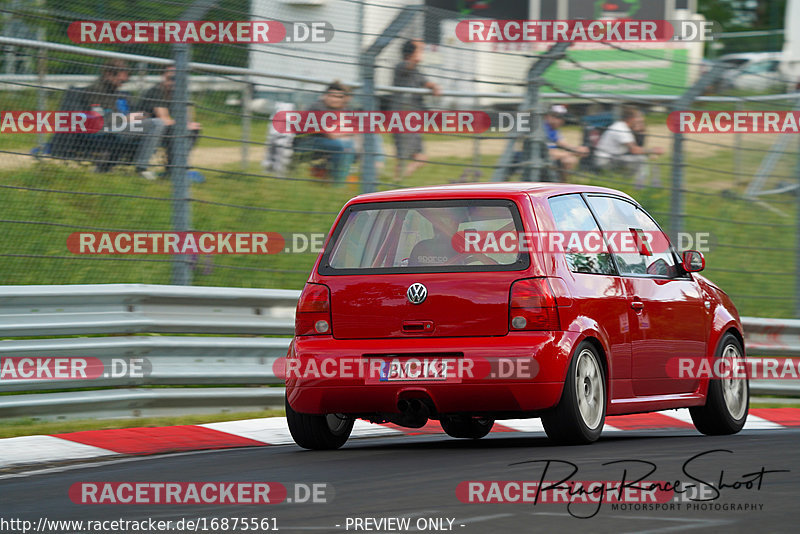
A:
(400, 322)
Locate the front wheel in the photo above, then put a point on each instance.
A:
(318, 432)
(581, 412)
(467, 427)
(728, 399)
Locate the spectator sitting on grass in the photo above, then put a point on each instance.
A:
(617, 147)
(105, 93)
(560, 152)
(156, 103)
(339, 148)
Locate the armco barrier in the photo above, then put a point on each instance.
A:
(225, 346)
(137, 308)
(773, 337)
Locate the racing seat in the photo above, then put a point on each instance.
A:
(435, 251)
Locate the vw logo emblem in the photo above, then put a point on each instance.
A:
(417, 293)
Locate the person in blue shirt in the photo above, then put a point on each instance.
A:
(561, 152)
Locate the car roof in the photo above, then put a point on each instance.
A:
(479, 190)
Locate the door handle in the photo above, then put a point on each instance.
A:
(417, 326)
(637, 305)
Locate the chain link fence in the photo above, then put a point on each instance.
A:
(229, 172)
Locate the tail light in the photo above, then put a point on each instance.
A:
(533, 304)
(313, 315)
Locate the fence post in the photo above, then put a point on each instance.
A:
(369, 103)
(41, 71)
(676, 199)
(181, 208)
(797, 240)
(676, 192)
(247, 118)
(533, 148)
(616, 110)
(9, 30)
(476, 143)
(181, 199)
(737, 152)
(369, 100)
(141, 74)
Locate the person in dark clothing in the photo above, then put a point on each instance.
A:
(105, 97)
(157, 102)
(406, 74)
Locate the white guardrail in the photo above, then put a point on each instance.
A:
(209, 337)
(198, 336)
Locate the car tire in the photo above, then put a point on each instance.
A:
(580, 414)
(318, 432)
(467, 427)
(727, 400)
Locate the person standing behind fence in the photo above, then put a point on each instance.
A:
(406, 74)
(105, 93)
(617, 147)
(157, 102)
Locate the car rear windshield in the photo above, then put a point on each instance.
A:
(417, 236)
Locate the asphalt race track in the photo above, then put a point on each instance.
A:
(416, 477)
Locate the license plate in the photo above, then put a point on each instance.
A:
(414, 370)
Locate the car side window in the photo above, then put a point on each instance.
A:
(571, 214)
(619, 216)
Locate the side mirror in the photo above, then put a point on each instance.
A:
(693, 261)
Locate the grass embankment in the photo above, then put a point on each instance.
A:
(751, 256)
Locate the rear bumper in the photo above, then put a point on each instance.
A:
(522, 371)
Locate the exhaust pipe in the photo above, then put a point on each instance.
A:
(413, 413)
